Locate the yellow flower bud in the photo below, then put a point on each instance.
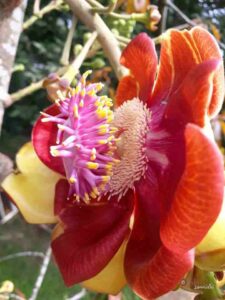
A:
(210, 253)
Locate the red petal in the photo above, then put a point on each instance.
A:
(92, 236)
(199, 195)
(161, 274)
(140, 57)
(207, 49)
(180, 52)
(126, 90)
(191, 101)
(61, 194)
(43, 136)
(151, 269)
(176, 60)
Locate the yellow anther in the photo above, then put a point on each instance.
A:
(73, 92)
(105, 178)
(112, 137)
(82, 93)
(93, 154)
(103, 126)
(96, 191)
(110, 118)
(99, 86)
(102, 113)
(103, 98)
(91, 165)
(86, 74)
(91, 93)
(54, 152)
(113, 129)
(86, 198)
(93, 157)
(72, 180)
(75, 111)
(109, 102)
(60, 95)
(77, 198)
(103, 142)
(97, 103)
(57, 102)
(116, 161)
(81, 104)
(78, 88)
(103, 130)
(108, 166)
(93, 195)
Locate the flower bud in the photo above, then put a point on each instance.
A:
(55, 85)
(210, 253)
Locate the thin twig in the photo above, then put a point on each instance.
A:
(106, 10)
(53, 5)
(67, 46)
(78, 296)
(97, 7)
(75, 66)
(28, 90)
(186, 19)
(36, 7)
(41, 275)
(110, 45)
(164, 18)
(22, 254)
(180, 13)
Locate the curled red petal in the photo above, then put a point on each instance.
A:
(190, 103)
(141, 59)
(92, 236)
(208, 48)
(150, 268)
(44, 136)
(177, 57)
(126, 90)
(180, 52)
(161, 274)
(199, 195)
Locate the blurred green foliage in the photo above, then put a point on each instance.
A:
(41, 46)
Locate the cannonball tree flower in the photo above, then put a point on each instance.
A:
(137, 189)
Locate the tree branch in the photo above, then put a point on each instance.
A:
(94, 22)
(10, 29)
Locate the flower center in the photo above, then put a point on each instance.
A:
(85, 139)
(132, 120)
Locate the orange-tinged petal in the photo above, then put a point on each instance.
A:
(199, 195)
(141, 59)
(32, 190)
(111, 279)
(190, 103)
(176, 60)
(208, 49)
(127, 90)
(182, 51)
(160, 275)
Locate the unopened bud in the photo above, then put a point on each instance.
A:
(210, 252)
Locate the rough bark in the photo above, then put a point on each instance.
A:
(10, 30)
